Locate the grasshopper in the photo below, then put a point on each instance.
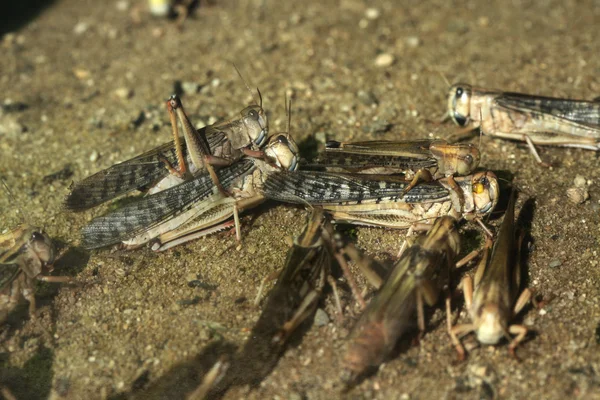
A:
(195, 207)
(169, 164)
(534, 119)
(494, 302)
(376, 200)
(416, 159)
(390, 313)
(26, 255)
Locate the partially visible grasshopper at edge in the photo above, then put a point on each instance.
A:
(167, 165)
(536, 120)
(26, 255)
(418, 160)
(494, 302)
(390, 313)
(193, 208)
(376, 200)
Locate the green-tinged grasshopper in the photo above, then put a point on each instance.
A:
(496, 299)
(534, 119)
(193, 208)
(417, 160)
(390, 313)
(174, 162)
(292, 301)
(377, 200)
(26, 255)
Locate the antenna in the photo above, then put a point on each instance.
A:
(443, 77)
(14, 201)
(288, 111)
(248, 87)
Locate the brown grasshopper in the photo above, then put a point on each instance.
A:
(172, 163)
(193, 208)
(534, 119)
(379, 200)
(390, 313)
(495, 300)
(26, 255)
(417, 160)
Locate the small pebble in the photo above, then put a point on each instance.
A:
(580, 181)
(94, 156)
(413, 41)
(384, 60)
(367, 97)
(372, 13)
(190, 87)
(124, 93)
(577, 195)
(555, 264)
(80, 28)
(122, 5)
(321, 317)
(10, 127)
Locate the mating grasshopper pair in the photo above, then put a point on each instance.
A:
(188, 197)
(536, 120)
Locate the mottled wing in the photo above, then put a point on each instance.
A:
(578, 111)
(312, 187)
(150, 211)
(129, 175)
(352, 161)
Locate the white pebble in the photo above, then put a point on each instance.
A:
(384, 60)
(94, 156)
(80, 28)
(577, 195)
(372, 13)
(580, 181)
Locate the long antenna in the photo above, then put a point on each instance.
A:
(248, 87)
(288, 111)
(14, 201)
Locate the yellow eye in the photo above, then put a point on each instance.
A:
(478, 188)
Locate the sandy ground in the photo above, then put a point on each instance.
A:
(76, 76)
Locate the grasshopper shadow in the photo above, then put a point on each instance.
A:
(16, 14)
(182, 379)
(32, 381)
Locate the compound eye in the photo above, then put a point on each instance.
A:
(253, 114)
(37, 236)
(469, 159)
(459, 92)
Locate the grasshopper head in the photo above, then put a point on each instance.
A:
(490, 328)
(41, 244)
(485, 192)
(37, 253)
(455, 159)
(459, 104)
(257, 126)
(282, 151)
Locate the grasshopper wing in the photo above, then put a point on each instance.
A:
(577, 111)
(152, 210)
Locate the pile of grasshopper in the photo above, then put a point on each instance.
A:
(200, 184)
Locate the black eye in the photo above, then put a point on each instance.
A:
(282, 139)
(253, 114)
(37, 236)
(469, 159)
(459, 92)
